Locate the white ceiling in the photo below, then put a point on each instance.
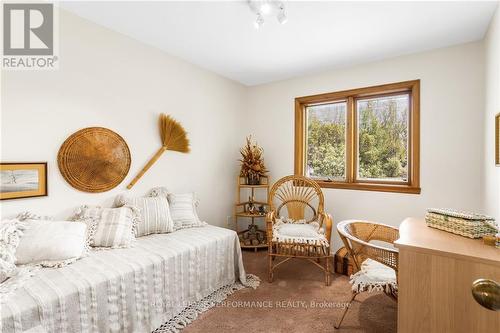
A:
(220, 36)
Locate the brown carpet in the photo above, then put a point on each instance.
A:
(285, 304)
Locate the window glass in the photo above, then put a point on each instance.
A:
(383, 138)
(326, 141)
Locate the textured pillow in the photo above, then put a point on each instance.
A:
(158, 192)
(51, 243)
(373, 276)
(183, 210)
(285, 230)
(10, 235)
(109, 227)
(298, 230)
(154, 217)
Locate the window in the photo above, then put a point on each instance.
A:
(326, 141)
(365, 139)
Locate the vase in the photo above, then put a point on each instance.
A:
(253, 179)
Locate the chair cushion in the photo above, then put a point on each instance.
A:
(374, 276)
(298, 232)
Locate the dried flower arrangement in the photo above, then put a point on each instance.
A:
(252, 162)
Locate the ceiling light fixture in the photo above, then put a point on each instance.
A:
(263, 8)
(282, 17)
(259, 21)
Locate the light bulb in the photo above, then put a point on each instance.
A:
(265, 8)
(282, 17)
(259, 21)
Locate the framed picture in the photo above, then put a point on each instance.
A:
(497, 139)
(23, 180)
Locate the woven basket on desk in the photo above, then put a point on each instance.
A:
(461, 223)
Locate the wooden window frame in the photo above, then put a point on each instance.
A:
(412, 185)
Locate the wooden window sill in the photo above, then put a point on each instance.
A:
(408, 189)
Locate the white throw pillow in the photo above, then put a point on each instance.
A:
(298, 230)
(154, 214)
(11, 232)
(183, 210)
(51, 243)
(158, 192)
(109, 227)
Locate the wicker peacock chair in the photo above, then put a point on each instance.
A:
(375, 266)
(298, 198)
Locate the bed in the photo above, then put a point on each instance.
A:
(161, 283)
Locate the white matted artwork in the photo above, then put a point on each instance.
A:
(23, 180)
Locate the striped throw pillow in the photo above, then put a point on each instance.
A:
(183, 210)
(154, 214)
(109, 227)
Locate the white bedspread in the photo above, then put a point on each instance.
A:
(127, 290)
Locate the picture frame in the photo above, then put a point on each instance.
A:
(497, 140)
(23, 180)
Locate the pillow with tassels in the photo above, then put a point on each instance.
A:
(183, 210)
(11, 232)
(299, 231)
(109, 227)
(50, 243)
(154, 214)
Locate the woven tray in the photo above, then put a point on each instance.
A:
(460, 214)
(461, 226)
(94, 159)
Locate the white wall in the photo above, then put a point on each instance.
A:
(452, 100)
(492, 107)
(107, 79)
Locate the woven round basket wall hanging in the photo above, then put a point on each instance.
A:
(94, 159)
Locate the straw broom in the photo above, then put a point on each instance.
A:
(173, 137)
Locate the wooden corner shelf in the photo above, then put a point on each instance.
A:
(254, 186)
(253, 233)
(250, 215)
(255, 202)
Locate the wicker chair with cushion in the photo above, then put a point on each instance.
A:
(375, 266)
(297, 226)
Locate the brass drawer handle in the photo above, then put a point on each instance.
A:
(487, 293)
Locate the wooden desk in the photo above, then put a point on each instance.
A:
(435, 274)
